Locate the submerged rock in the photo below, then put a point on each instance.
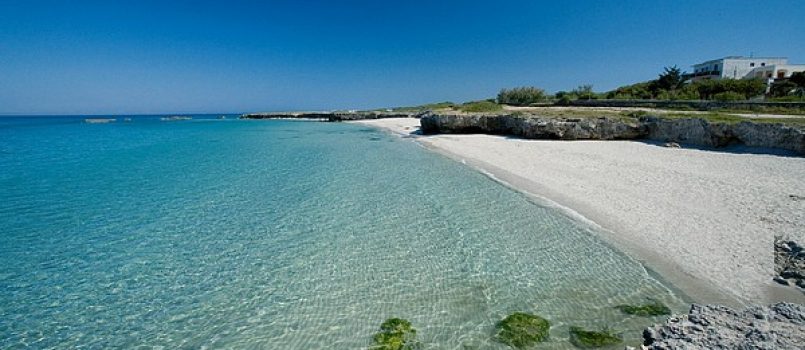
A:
(395, 334)
(520, 330)
(655, 308)
(593, 339)
(779, 326)
(99, 120)
(174, 118)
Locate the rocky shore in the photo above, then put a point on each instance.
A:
(692, 131)
(779, 326)
(689, 131)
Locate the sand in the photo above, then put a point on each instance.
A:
(703, 220)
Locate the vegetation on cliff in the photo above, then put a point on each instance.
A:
(671, 85)
(521, 96)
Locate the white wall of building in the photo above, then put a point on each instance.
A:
(739, 68)
(776, 71)
(734, 67)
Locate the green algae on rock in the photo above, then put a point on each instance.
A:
(520, 330)
(593, 339)
(655, 308)
(395, 334)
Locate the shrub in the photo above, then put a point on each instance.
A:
(798, 78)
(655, 308)
(480, 106)
(396, 334)
(789, 98)
(639, 91)
(520, 330)
(521, 96)
(783, 88)
(564, 100)
(585, 92)
(746, 87)
(593, 339)
(728, 96)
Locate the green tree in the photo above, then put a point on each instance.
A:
(798, 78)
(670, 80)
(585, 92)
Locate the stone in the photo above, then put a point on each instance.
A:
(396, 334)
(583, 338)
(654, 308)
(520, 330)
(781, 326)
(781, 280)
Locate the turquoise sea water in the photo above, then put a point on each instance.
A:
(280, 235)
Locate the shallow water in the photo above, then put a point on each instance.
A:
(280, 235)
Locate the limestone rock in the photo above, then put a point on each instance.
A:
(695, 131)
(779, 326)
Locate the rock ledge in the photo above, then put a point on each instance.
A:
(779, 326)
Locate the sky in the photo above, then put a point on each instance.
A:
(151, 57)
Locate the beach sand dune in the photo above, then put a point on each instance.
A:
(704, 220)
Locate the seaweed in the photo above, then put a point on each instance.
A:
(594, 339)
(655, 308)
(395, 334)
(520, 330)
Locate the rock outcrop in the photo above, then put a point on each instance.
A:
(692, 131)
(700, 132)
(780, 326)
(789, 263)
(534, 127)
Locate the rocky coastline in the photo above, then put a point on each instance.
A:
(690, 131)
(686, 131)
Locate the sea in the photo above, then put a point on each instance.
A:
(213, 233)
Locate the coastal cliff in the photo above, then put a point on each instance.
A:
(533, 127)
(694, 131)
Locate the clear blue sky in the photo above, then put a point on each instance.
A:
(125, 57)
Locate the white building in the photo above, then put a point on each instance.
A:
(737, 67)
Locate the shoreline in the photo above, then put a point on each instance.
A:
(693, 273)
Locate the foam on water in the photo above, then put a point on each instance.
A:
(281, 235)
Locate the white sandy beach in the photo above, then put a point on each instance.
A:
(704, 220)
